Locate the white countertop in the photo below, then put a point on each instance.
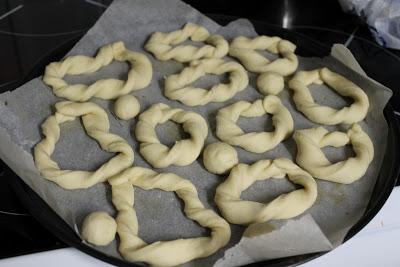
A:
(378, 244)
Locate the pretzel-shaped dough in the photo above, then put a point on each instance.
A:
(164, 253)
(322, 114)
(311, 158)
(97, 126)
(243, 49)
(139, 77)
(161, 44)
(257, 142)
(176, 85)
(285, 206)
(184, 152)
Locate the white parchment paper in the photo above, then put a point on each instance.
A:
(160, 215)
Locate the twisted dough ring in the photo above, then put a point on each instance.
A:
(322, 114)
(285, 206)
(176, 85)
(160, 44)
(243, 49)
(184, 152)
(96, 124)
(164, 253)
(257, 142)
(138, 77)
(311, 158)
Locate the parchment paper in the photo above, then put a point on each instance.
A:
(160, 215)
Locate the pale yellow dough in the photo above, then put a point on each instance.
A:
(139, 76)
(322, 114)
(257, 142)
(161, 44)
(285, 206)
(244, 49)
(164, 253)
(311, 158)
(176, 86)
(99, 228)
(95, 121)
(184, 152)
(270, 83)
(219, 157)
(126, 107)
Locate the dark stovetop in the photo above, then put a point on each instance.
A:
(32, 30)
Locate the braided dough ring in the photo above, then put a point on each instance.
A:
(176, 85)
(285, 206)
(164, 253)
(322, 114)
(184, 152)
(311, 158)
(243, 49)
(161, 44)
(139, 77)
(257, 142)
(96, 124)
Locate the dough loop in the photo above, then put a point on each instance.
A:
(164, 253)
(176, 86)
(257, 142)
(322, 114)
(139, 76)
(184, 152)
(96, 124)
(126, 107)
(311, 158)
(161, 44)
(219, 158)
(285, 206)
(99, 228)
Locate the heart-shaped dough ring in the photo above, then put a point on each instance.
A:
(139, 76)
(185, 151)
(161, 44)
(311, 158)
(257, 142)
(96, 124)
(176, 85)
(164, 253)
(286, 206)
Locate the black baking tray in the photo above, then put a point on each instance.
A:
(305, 47)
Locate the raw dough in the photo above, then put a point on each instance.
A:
(126, 107)
(244, 49)
(164, 253)
(285, 206)
(99, 228)
(184, 152)
(322, 114)
(257, 142)
(311, 158)
(219, 157)
(270, 83)
(161, 44)
(139, 75)
(96, 124)
(176, 86)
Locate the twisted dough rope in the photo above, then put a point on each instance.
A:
(96, 124)
(257, 142)
(311, 158)
(286, 206)
(139, 77)
(176, 85)
(184, 152)
(161, 44)
(322, 114)
(164, 253)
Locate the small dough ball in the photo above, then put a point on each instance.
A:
(126, 107)
(270, 83)
(219, 158)
(99, 228)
